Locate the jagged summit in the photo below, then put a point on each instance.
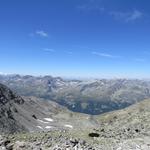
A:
(7, 96)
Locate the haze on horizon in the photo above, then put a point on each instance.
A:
(82, 38)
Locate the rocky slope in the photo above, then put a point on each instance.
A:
(8, 103)
(39, 124)
(127, 129)
(32, 114)
(91, 97)
(128, 123)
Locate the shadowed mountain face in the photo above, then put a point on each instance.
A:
(91, 97)
(8, 103)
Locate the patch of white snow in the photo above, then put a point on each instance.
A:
(42, 121)
(48, 127)
(69, 126)
(49, 119)
(39, 127)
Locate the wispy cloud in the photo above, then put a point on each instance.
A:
(91, 5)
(69, 52)
(127, 16)
(139, 59)
(40, 33)
(48, 50)
(91, 8)
(100, 7)
(105, 55)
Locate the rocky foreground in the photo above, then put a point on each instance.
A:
(44, 142)
(61, 141)
(127, 129)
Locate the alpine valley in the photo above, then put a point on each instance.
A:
(84, 96)
(51, 113)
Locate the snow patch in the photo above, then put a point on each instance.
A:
(39, 127)
(42, 121)
(48, 127)
(49, 119)
(69, 126)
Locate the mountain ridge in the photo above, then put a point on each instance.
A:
(90, 96)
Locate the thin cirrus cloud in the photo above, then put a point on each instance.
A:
(87, 8)
(91, 5)
(69, 52)
(48, 50)
(105, 55)
(139, 60)
(127, 16)
(39, 33)
(97, 6)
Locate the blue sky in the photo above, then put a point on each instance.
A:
(75, 38)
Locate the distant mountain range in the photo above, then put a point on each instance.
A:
(90, 96)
